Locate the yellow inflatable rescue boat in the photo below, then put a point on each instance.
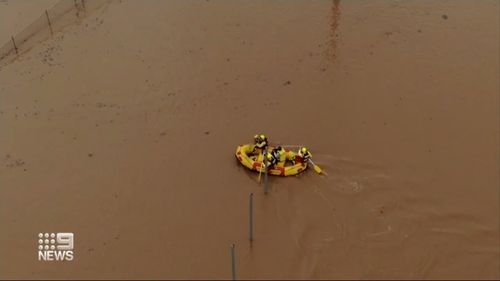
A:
(245, 157)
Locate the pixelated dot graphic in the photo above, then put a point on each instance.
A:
(40, 247)
(40, 235)
(46, 235)
(46, 241)
(52, 235)
(46, 247)
(52, 241)
(52, 247)
(40, 241)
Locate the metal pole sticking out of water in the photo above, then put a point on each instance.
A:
(48, 20)
(265, 172)
(14, 43)
(251, 218)
(233, 262)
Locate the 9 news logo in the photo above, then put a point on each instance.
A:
(55, 246)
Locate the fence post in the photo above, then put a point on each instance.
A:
(233, 263)
(48, 20)
(251, 219)
(76, 8)
(15, 47)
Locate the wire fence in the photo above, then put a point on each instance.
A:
(50, 21)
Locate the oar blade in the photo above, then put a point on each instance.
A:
(317, 169)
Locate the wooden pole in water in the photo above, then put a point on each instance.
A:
(48, 20)
(76, 7)
(233, 262)
(14, 43)
(251, 218)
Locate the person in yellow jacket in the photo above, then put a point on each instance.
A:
(260, 144)
(302, 156)
(260, 141)
(277, 157)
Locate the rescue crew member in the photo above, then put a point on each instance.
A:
(302, 156)
(260, 144)
(277, 157)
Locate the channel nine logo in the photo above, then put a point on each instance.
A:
(55, 246)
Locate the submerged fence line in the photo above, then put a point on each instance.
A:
(51, 20)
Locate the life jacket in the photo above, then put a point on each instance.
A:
(272, 158)
(276, 156)
(302, 158)
(260, 141)
(257, 150)
(261, 144)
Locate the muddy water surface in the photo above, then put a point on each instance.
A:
(15, 15)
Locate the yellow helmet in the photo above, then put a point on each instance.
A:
(303, 151)
(259, 137)
(260, 140)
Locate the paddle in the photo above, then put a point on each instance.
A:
(317, 168)
(266, 176)
(260, 170)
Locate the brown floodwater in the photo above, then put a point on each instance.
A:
(122, 129)
(15, 15)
